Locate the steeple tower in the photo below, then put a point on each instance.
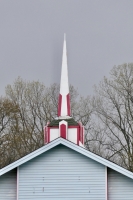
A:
(64, 97)
(64, 125)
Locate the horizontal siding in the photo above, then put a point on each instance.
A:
(61, 173)
(120, 187)
(8, 185)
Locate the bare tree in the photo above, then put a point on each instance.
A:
(8, 110)
(36, 105)
(113, 105)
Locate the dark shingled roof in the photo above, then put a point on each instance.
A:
(71, 122)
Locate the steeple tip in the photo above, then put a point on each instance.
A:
(64, 36)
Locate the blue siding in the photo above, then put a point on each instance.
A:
(8, 185)
(61, 173)
(120, 187)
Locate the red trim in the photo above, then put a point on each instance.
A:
(73, 126)
(82, 135)
(59, 105)
(68, 105)
(78, 132)
(63, 131)
(48, 134)
(45, 135)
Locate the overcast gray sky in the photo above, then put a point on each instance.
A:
(99, 35)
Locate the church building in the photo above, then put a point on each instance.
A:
(63, 169)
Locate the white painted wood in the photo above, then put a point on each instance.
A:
(106, 183)
(72, 135)
(64, 85)
(8, 185)
(17, 183)
(54, 134)
(120, 187)
(80, 144)
(62, 174)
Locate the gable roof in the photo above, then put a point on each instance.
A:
(72, 146)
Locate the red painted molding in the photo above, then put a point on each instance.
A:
(78, 135)
(59, 105)
(68, 105)
(48, 134)
(73, 126)
(63, 131)
(82, 135)
(45, 135)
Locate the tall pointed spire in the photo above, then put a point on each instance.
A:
(64, 97)
(64, 125)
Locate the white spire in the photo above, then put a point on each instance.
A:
(64, 97)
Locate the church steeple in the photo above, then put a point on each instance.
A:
(64, 96)
(64, 125)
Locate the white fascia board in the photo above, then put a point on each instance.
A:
(72, 146)
(30, 156)
(99, 159)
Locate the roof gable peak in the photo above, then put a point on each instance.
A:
(72, 146)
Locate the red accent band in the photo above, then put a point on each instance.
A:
(78, 132)
(73, 126)
(82, 135)
(63, 131)
(59, 105)
(68, 105)
(48, 134)
(45, 135)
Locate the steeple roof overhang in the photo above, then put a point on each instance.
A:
(70, 121)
